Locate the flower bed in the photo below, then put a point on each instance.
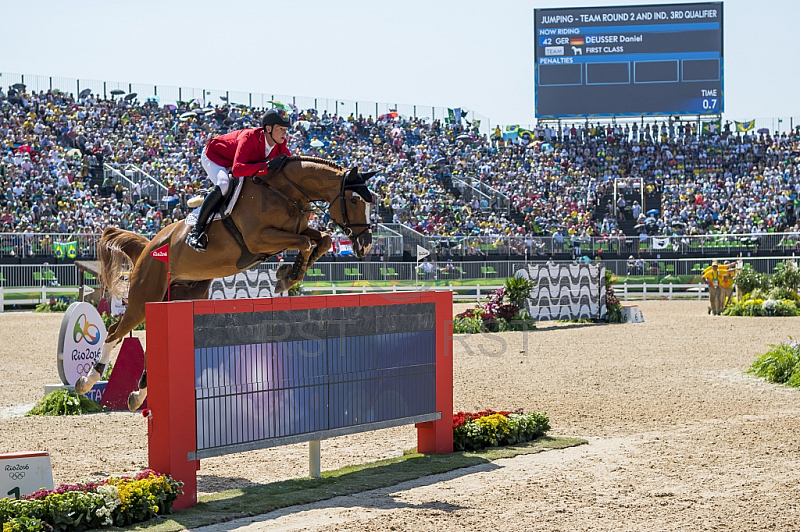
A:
(613, 306)
(504, 311)
(766, 295)
(118, 501)
(476, 430)
(776, 302)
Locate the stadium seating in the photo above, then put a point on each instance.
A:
(61, 158)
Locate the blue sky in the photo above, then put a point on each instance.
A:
(477, 55)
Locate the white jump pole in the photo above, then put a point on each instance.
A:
(314, 460)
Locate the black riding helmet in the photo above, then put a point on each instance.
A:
(276, 117)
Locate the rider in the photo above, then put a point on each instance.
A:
(244, 151)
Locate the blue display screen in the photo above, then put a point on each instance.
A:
(628, 60)
(267, 375)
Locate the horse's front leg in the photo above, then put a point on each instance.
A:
(323, 244)
(297, 271)
(269, 239)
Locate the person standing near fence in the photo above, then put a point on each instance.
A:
(713, 278)
(728, 273)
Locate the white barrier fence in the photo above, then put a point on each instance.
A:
(624, 291)
(38, 295)
(459, 292)
(630, 291)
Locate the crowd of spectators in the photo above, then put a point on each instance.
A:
(553, 180)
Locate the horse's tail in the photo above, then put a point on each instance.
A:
(118, 251)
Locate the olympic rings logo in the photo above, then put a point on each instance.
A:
(84, 330)
(83, 369)
(17, 475)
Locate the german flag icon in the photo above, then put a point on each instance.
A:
(576, 41)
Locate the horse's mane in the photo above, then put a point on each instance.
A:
(317, 160)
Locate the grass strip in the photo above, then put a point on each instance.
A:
(255, 500)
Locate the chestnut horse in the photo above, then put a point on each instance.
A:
(270, 216)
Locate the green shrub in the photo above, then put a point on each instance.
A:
(467, 325)
(781, 292)
(613, 305)
(748, 280)
(107, 372)
(54, 305)
(518, 290)
(25, 524)
(109, 320)
(786, 276)
(500, 313)
(296, 290)
(63, 402)
(779, 364)
(786, 307)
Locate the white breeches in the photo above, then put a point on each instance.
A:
(216, 173)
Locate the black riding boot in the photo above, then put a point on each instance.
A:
(197, 237)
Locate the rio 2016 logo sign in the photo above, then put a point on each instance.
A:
(85, 330)
(80, 342)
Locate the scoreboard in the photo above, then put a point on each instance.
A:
(628, 61)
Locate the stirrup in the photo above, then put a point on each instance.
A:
(197, 242)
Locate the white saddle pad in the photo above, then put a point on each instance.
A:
(191, 218)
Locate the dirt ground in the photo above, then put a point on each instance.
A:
(679, 438)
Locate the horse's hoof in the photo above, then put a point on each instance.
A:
(283, 271)
(135, 400)
(82, 386)
(281, 286)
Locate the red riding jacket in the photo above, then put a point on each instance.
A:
(243, 151)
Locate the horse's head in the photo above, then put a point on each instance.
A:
(351, 210)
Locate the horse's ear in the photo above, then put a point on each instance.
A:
(366, 176)
(352, 175)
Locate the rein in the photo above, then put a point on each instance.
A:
(302, 207)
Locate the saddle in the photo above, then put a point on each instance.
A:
(226, 206)
(229, 200)
(247, 259)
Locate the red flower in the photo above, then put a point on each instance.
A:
(462, 417)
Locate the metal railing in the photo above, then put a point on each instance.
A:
(118, 178)
(42, 244)
(411, 238)
(390, 240)
(165, 94)
(772, 123)
(501, 201)
(386, 243)
(150, 186)
(488, 201)
(750, 244)
(43, 281)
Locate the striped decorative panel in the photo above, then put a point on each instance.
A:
(566, 291)
(252, 283)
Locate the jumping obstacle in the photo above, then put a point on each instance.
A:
(228, 376)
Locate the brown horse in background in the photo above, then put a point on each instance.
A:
(270, 216)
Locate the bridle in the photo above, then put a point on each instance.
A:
(346, 226)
